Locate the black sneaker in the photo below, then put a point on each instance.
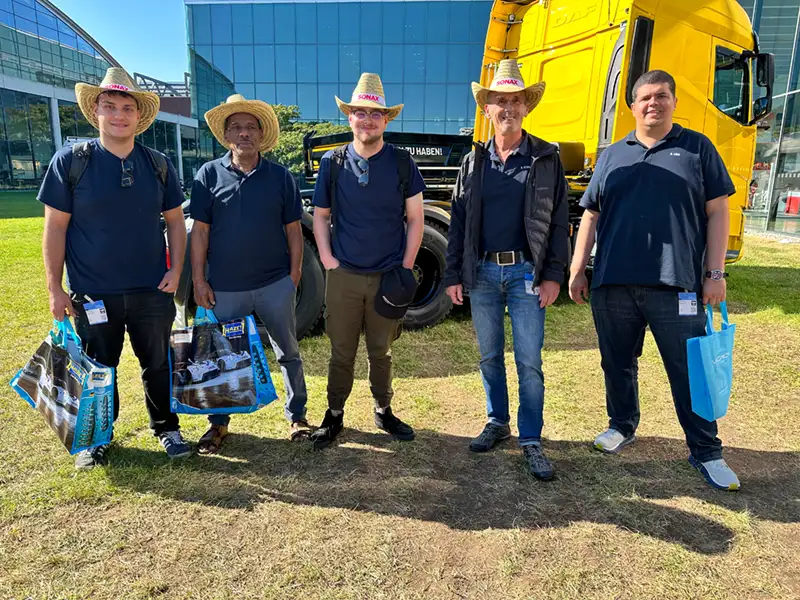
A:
(94, 457)
(538, 465)
(387, 422)
(490, 436)
(327, 432)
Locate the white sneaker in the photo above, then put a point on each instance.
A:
(717, 473)
(612, 441)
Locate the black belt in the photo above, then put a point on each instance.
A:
(505, 259)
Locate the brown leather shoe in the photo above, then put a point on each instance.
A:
(211, 442)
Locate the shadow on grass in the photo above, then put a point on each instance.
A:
(20, 205)
(755, 288)
(437, 479)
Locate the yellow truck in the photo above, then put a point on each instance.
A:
(590, 53)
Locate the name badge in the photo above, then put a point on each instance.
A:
(687, 304)
(96, 312)
(529, 289)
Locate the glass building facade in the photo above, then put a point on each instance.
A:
(304, 53)
(774, 203)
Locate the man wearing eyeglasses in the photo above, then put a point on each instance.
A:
(103, 204)
(364, 195)
(246, 212)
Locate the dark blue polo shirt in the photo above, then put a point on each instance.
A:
(503, 192)
(247, 248)
(652, 205)
(115, 244)
(369, 233)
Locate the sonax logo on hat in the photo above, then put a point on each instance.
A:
(515, 82)
(370, 97)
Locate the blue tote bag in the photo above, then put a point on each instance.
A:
(219, 368)
(73, 393)
(711, 367)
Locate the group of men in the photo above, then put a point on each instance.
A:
(656, 207)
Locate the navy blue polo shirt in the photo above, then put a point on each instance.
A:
(115, 244)
(247, 248)
(369, 233)
(503, 192)
(652, 205)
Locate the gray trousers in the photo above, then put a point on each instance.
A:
(274, 305)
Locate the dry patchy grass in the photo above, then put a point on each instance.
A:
(372, 518)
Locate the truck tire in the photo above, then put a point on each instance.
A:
(310, 293)
(431, 304)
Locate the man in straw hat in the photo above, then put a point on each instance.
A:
(246, 212)
(508, 247)
(662, 234)
(367, 190)
(103, 203)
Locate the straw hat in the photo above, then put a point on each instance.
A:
(117, 80)
(508, 79)
(369, 94)
(262, 111)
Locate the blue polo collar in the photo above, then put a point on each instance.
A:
(673, 134)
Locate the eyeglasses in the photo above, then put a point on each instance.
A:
(127, 175)
(363, 179)
(374, 115)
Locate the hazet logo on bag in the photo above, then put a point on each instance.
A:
(99, 379)
(76, 371)
(232, 330)
(721, 357)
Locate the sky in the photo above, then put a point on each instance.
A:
(145, 36)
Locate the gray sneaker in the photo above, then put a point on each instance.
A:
(490, 436)
(538, 464)
(91, 458)
(612, 441)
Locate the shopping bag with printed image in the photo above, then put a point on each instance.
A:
(219, 368)
(74, 393)
(711, 367)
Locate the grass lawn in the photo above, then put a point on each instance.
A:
(371, 518)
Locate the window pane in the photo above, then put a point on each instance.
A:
(285, 64)
(221, 27)
(46, 19)
(371, 59)
(349, 19)
(456, 102)
(475, 62)
(414, 100)
(434, 127)
(436, 23)
(84, 46)
(223, 60)
(328, 111)
(479, 20)
(436, 64)
(307, 64)
(265, 63)
(284, 24)
(327, 23)
(392, 64)
(26, 12)
(413, 126)
(306, 21)
(349, 63)
(264, 18)
(457, 59)
(242, 15)
(393, 16)
(328, 63)
(26, 25)
(415, 21)
(266, 92)
(47, 33)
(394, 95)
(248, 90)
(41, 132)
(459, 21)
(414, 64)
(729, 88)
(371, 17)
(243, 63)
(205, 52)
(287, 94)
(307, 101)
(68, 39)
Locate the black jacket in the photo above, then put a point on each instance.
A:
(546, 216)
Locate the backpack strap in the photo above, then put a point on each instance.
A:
(159, 162)
(403, 170)
(81, 152)
(337, 164)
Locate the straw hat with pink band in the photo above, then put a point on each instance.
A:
(369, 94)
(508, 79)
(118, 80)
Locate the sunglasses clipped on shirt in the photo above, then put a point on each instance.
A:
(127, 174)
(363, 179)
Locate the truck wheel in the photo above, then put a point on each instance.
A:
(310, 293)
(431, 304)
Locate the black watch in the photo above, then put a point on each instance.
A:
(716, 275)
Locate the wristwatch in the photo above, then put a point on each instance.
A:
(716, 274)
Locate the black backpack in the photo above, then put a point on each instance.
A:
(403, 170)
(82, 152)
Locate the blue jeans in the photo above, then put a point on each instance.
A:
(621, 315)
(274, 305)
(495, 288)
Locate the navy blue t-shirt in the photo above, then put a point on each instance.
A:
(247, 248)
(652, 205)
(115, 244)
(369, 232)
(503, 191)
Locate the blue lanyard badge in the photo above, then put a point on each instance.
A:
(96, 312)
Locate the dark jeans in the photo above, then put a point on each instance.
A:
(148, 319)
(349, 310)
(621, 315)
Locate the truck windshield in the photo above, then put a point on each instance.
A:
(731, 82)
